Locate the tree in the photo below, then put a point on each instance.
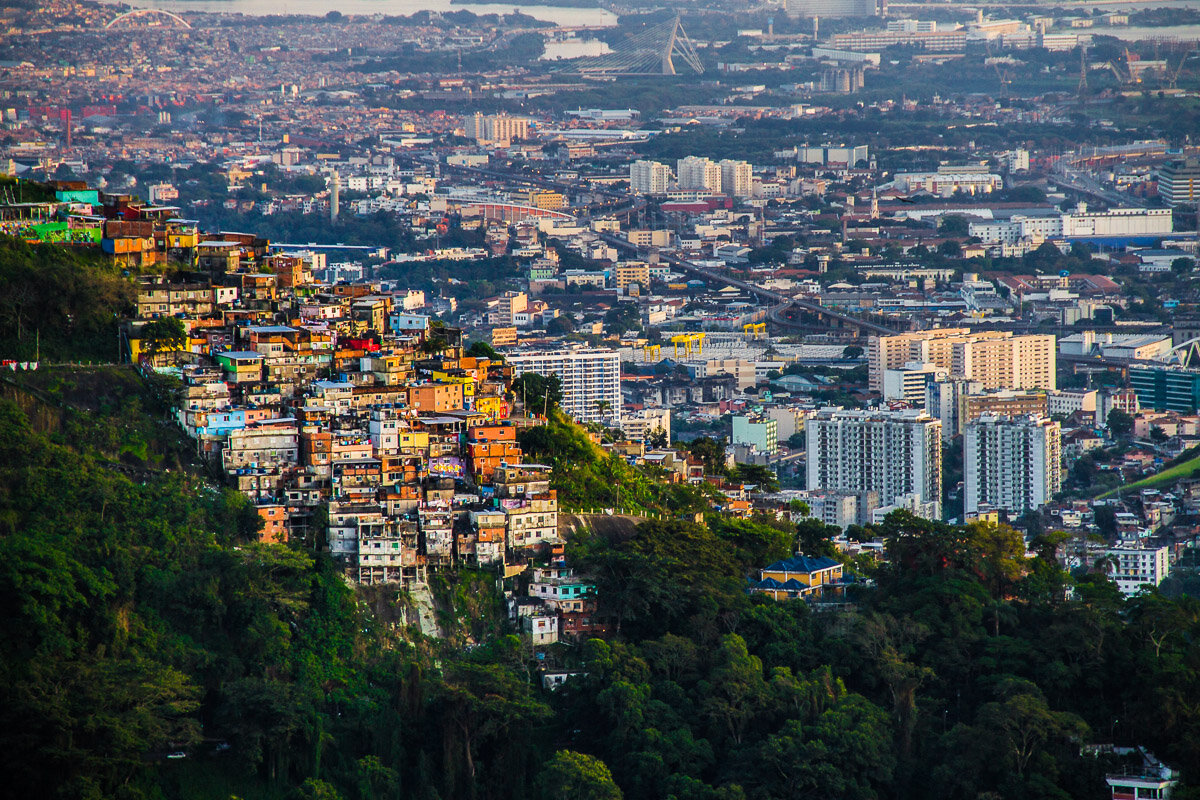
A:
(660, 578)
(481, 349)
(735, 690)
(815, 538)
(485, 703)
(657, 439)
(561, 325)
(315, 788)
(758, 474)
(954, 225)
(577, 776)
(1182, 266)
(164, 335)
(67, 301)
(1106, 521)
(1001, 561)
(622, 318)
(950, 249)
(757, 541)
(539, 394)
(711, 451)
(844, 751)
(1119, 423)
(892, 641)
(375, 780)
(1024, 723)
(852, 351)
(798, 506)
(1085, 471)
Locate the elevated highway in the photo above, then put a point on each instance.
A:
(620, 204)
(782, 302)
(624, 205)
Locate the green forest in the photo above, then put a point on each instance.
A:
(61, 304)
(153, 649)
(143, 621)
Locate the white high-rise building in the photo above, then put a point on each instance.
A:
(649, 177)
(499, 129)
(591, 380)
(1179, 183)
(944, 398)
(908, 383)
(1132, 567)
(1011, 464)
(699, 174)
(737, 178)
(893, 453)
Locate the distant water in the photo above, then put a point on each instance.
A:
(569, 17)
(1132, 34)
(1139, 5)
(575, 48)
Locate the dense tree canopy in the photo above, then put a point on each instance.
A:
(141, 618)
(60, 304)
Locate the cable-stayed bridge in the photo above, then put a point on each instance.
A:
(652, 52)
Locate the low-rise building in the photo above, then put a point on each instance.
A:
(801, 577)
(1133, 567)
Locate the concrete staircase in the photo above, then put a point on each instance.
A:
(426, 614)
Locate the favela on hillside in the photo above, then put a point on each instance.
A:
(707, 400)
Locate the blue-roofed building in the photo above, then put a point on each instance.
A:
(221, 422)
(401, 322)
(800, 577)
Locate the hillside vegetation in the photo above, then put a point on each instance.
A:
(60, 303)
(141, 620)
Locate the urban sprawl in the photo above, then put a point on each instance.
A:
(373, 278)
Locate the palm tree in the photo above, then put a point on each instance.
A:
(602, 407)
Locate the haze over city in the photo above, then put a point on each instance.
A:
(725, 400)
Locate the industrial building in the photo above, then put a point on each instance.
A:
(1116, 223)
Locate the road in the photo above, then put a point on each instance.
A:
(1085, 184)
(782, 302)
(623, 205)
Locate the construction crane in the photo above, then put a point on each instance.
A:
(755, 329)
(1173, 77)
(1002, 74)
(648, 349)
(1117, 73)
(1081, 90)
(688, 340)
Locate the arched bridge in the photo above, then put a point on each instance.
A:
(156, 13)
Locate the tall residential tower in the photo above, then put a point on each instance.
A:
(893, 453)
